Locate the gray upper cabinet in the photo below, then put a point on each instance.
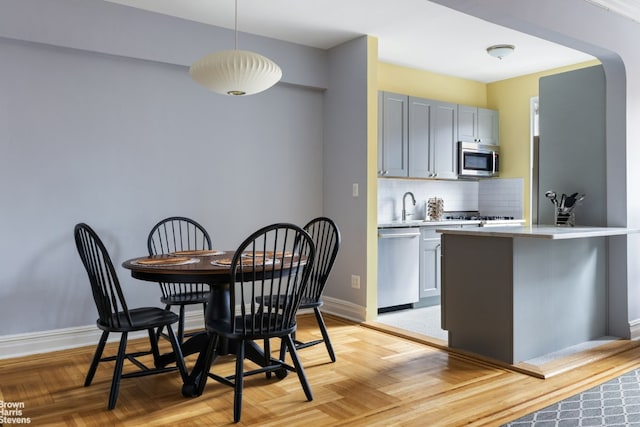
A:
(393, 138)
(417, 137)
(420, 152)
(432, 139)
(444, 138)
(477, 124)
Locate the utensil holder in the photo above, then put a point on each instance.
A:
(435, 209)
(565, 219)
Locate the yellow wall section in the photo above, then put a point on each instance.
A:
(424, 84)
(372, 180)
(510, 97)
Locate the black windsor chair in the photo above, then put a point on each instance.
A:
(174, 235)
(326, 236)
(115, 316)
(272, 262)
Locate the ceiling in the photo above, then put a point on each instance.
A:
(412, 33)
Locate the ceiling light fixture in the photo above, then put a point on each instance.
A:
(235, 72)
(500, 50)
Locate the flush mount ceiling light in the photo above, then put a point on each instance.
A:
(235, 72)
(500, 50)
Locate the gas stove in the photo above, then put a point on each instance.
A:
(478, 217)
(485, 220)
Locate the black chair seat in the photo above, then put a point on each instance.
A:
(141, 319)
(186, 298)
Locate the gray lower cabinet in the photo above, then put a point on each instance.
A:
(429, 263)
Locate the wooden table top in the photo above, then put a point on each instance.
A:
(203, 269)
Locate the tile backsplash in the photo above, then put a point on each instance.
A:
(457, 196)
(496, 196)
(501, 196)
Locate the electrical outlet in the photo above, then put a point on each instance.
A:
(355, 281)
(355, 190)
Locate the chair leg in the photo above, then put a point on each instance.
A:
(267, 355)
(96, 358)
(206, 365)
(299, 369)
(178, 352)
(153, 341)
(239, 382)
(283, 349)
(159, 334)
(117, 371)
(181, 325)
(325, 334)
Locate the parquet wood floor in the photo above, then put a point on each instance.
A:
(378, 380)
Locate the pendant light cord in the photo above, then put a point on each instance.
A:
(236, 28)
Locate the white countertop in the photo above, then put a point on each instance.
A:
(426, 223)
(541, 231)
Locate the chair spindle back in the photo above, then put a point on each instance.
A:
(105, 285)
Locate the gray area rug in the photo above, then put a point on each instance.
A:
(612, 404)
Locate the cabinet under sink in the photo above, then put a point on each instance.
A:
(429, 292)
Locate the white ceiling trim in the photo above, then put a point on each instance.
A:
(628, 8)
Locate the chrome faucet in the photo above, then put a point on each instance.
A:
(404, 209)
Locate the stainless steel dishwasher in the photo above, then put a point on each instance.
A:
(398, 266)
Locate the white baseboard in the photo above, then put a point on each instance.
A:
(61, 339)
(345, 309)
(634, 329)
(19, 345)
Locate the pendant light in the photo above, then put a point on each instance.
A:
(235, 72)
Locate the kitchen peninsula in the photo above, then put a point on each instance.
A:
(518, 293)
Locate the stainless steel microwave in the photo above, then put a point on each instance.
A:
(478, 160)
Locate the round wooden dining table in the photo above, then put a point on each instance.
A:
(208, 267)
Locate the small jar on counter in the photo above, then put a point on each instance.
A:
(435, 209)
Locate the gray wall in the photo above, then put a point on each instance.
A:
(121, 142)
(345, 164)
(572, 143)
(612, 39)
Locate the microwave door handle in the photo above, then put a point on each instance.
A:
(495, 163)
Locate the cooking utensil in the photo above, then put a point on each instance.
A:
(577, 200)
(551, 195)
(563, 199)
(571, 200)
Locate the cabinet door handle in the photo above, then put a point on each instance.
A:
(398, 235)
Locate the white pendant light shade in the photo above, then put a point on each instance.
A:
(235, 72)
